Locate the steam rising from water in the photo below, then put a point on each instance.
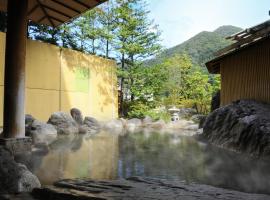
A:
(169, 156)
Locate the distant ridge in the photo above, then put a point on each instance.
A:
(201, 47)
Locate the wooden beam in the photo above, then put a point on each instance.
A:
(41, 19)
(66, 6)
(82, 4)
(33, 9)
(56, 19)
(244, 41)
(57, 11)
(45, 13)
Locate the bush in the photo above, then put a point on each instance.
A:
(139, 109)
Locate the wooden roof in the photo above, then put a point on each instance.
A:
(55, 12)
(242, 40)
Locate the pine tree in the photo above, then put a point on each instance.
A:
(107, 20)
(136, 38)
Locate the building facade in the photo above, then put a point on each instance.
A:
(245, 70)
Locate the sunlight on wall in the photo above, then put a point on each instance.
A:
(60, 79)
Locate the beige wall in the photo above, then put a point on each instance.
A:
(60, 79)
(246, 74)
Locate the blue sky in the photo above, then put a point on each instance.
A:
(181, 19)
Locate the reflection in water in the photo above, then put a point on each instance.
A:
(79, 157)
(168, 156)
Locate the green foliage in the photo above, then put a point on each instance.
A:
(175, 82)
(147, 82)
(139, 109)
(195, 88)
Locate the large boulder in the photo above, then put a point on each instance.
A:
(41, 132)
(147, 120)
(15, 178)
(215, 103)
(133, 124)
(90, 125)
(197, 118)
(64, 123)
(29, 119)
(115, 125)
(242, 126)
(186, 112)
(76, 114)
(160, 124)
(182, 124)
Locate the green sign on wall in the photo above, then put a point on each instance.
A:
(82, 75)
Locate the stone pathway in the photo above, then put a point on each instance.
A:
(136, 189)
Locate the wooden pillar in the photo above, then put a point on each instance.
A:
(14, 90)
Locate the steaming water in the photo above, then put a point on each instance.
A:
(167, 156)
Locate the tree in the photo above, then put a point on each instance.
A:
(107, 20)
(177, 68)
(87, 30)
(61, 36)
(43, 33)
(136, 38)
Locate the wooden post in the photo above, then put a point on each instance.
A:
(14, 90)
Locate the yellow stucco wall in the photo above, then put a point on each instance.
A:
(60, 79)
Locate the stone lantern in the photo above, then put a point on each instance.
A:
(174, 113)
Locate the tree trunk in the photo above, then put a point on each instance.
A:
(93, 46)
(107, 49)
(122, 87)
(132, 96)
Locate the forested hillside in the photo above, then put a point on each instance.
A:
(201, 47)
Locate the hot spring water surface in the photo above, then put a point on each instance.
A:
(166, 156)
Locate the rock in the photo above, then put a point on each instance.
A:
(139, 188)
(115, 125)
(15, 178)
(28, 122)
(124, 122)
(92, 123)
(76, 114)
(84, 129)
(63, 123)
(215, 103)
(147, 120)
(199, 131)
(29, 119)
(183, 124)
(186, 112)
(41, 132)
(197, 118)
(134, 124)
(90, 126)
(242, 126)
(202, 121)
(160, 124)
(193, 127)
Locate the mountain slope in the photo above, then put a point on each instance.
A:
(201, 47)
